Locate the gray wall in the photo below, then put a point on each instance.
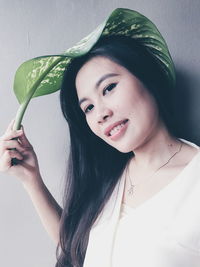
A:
(32, 28)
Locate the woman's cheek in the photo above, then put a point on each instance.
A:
(91, 125)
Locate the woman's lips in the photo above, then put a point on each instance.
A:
(109, 128)
(120, 132)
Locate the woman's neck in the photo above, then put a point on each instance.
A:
(156, 150)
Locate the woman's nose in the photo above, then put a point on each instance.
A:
(104, 114)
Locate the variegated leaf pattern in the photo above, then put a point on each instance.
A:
(83, 46)
(122, 22)
(39, 76)
(130, 23)
(43, 75)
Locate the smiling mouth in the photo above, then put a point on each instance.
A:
(117, 128)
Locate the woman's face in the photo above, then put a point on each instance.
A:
(117, 106)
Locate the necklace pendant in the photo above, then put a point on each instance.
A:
(130, 190)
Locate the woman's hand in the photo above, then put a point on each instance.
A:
(27, 170)
(27, 167)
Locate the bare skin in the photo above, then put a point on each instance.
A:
(28, 173)
(145, 189)
(119, 96)
(146, 135)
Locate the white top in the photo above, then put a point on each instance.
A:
(164, 231)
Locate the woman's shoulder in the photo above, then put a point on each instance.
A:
(191, 160)
(190, 152)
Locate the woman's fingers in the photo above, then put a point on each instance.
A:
(23, 139)
(10, 134)
(12, 144)
(7, 157)
(17, 156)
(13, 154)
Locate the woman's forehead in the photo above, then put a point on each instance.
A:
(95, 68)
(93, 73)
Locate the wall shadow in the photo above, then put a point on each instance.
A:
(187, 119)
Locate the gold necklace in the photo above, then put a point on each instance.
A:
(130, 190)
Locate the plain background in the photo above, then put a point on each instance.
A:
(33, 28)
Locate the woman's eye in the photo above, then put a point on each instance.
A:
(109, 87)
(88, 108)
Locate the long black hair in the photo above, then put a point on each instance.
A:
(94, 167)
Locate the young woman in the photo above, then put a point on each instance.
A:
(131, 195)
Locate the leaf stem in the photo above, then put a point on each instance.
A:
(20, 114)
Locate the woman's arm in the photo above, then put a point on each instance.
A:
(46, 206)
(14, 144)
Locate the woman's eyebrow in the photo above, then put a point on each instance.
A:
(104, 77)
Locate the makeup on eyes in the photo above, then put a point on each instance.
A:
(108, 87)
(98, 83)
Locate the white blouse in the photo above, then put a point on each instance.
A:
(164, 231)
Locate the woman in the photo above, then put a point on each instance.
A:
(132, 183)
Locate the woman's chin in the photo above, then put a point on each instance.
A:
(124, 149)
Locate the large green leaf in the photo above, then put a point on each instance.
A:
(43, 75)
(37, 77)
